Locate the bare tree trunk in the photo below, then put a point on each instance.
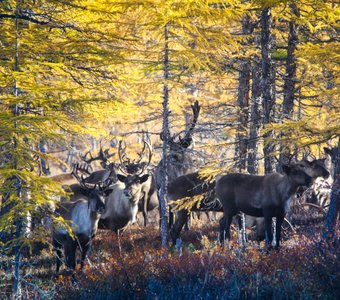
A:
(243, 104)
(18, 221)
(43, 164)
(165, 164)
(329, 233)
(255, 117)
(268, 86)
(289, 87)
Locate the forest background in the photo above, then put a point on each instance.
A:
(79, 74)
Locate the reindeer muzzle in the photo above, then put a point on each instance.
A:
(325, 175)
(127, 193)
(101, 210)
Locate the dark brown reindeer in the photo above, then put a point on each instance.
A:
(83, 215)
(190, 185)
(122, 204)
(180, 162)
(260, 196)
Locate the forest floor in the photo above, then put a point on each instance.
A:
(134, 267)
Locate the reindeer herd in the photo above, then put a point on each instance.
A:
(110, 198)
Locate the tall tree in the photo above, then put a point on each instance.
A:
(255, 117)
(267, 85)
(243, 101)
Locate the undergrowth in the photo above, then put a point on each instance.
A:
(133, 267)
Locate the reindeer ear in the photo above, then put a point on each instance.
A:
(286, 169)
(121, 177)
(327, 151)
(107, 192)
(144, 178)
(85, 192)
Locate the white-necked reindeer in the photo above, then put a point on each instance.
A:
(83, 216)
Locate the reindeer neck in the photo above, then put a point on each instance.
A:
(287, 187)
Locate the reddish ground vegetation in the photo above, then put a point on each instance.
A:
(132, 267)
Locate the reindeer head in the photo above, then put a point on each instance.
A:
(133, 185)
(95, 193)
(316, 168)
(298, 174)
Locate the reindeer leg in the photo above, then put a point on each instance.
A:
(145, 210)
(171, 218)
(57, 247)
(187, 223)
(84, 248)
(279, 221)
(225, 228)
(269, 233)
(182, 218)
(70, 253)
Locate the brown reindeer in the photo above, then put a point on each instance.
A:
(180, 162)
(83, 215)
(192, 185)
(261, 196)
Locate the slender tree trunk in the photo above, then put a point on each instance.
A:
(243, 103)
(329, 233)
(289, 87)
(268, 87)
(18, 187)
(165, 163)
(44, 165)
(255, 117)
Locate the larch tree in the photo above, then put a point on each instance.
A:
(52, 75)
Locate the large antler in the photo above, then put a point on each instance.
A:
(136, 166)
(186, 141)
(144, 165)
(124, 161)
(81, 179)
(103, 155)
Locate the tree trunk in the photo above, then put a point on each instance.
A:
(289, 87)
(329, 233)
(255, 117)
(165, 163)
(268, 86)
(243, 103)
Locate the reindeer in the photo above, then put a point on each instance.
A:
(190, 185)
(261, 196)
(122, 204)
(148, 197)
(83, 215)
(180, 162)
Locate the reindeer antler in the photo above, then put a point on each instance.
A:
(122, 156)
(136, 166)
(186, 141)
(103, 155)
(144, 165)
(81, 179)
